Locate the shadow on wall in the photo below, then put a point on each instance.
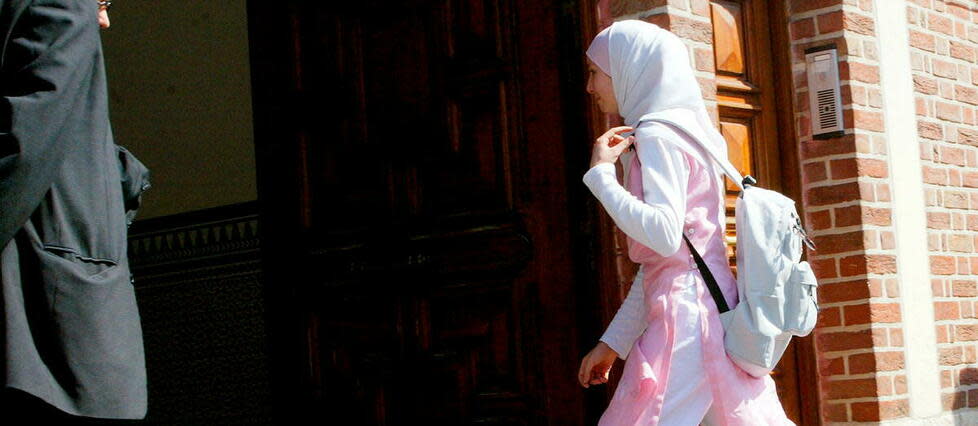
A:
(965, 396)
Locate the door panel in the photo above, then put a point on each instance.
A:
(748, 111)
(426, 140)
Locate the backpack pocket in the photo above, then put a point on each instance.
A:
(801, 300)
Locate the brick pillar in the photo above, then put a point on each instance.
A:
(846, 188)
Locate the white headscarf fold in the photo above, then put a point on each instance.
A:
(652, 78)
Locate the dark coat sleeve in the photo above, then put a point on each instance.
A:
(135, 180)
(46, 64)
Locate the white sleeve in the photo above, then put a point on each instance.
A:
(658, 222)
(629, 322)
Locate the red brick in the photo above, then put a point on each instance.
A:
(859, 23)
(848, 291)
(942, 265)
(946, 311)
(852, 266)
(924, 85)
(944, 69)
(959, 11)
(875, 361)
(880, 264)
(799, 6)
(829, 317)
(950, 356)
(948, 111)
(955, 200)
(952, 155)
(835, 412)
(823, 147)
(937, 287)
(814, 172)
(968, 376)
(844, 168)
(875, 287)
(824, 268)
(965, 333)
(819, 220)
(853, 94)
(868, 120)
(922, 41)
(967, 311)
(803, 28)
(845, 340)
(833, 194)
(691, 29)
(964, 288)
(830, 22)
(874, 411)
(704, 60)
(877, 216)
(954, 175)
(973, 398)
(900, 385)
(855, 388)
(960, 243)
(892, 286)
(962, 51)
(896, 337)
(920, 107)
(935, 176)
(938, 220)
(848, 216)
(708, 87)
(859, 72)
(872, 313)
(970, 179)
(930, 130)
(966, 94)
(953, 401)
(872, 167)
(942, 334)
(700, 7)
(967, 137)
(936, 22)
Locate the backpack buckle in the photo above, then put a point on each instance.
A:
(804, 236)
(748, 181)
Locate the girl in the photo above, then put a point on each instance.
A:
(676, 371)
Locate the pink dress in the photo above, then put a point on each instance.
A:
(679, 306)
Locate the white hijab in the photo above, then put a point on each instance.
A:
(652, 78)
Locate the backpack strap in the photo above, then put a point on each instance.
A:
(711, 282)
(728, 169)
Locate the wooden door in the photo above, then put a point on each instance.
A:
(414, 186)
(754, 104)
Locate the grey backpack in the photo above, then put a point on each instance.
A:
(777, 292)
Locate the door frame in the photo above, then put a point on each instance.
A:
(611, 272)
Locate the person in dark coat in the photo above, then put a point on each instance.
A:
(70, 326)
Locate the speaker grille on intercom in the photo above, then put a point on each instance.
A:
(826, 109)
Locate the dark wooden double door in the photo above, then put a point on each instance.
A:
(419, 166)
(431, 254)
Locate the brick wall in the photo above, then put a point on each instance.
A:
(847, 202)
(944, 37)
(846, 184)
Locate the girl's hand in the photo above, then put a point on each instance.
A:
(596, 365)
(610, 145)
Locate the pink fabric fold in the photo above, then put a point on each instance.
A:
(740, 398)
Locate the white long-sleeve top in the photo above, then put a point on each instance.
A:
(656, 223)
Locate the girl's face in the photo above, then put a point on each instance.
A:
(599, 86)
